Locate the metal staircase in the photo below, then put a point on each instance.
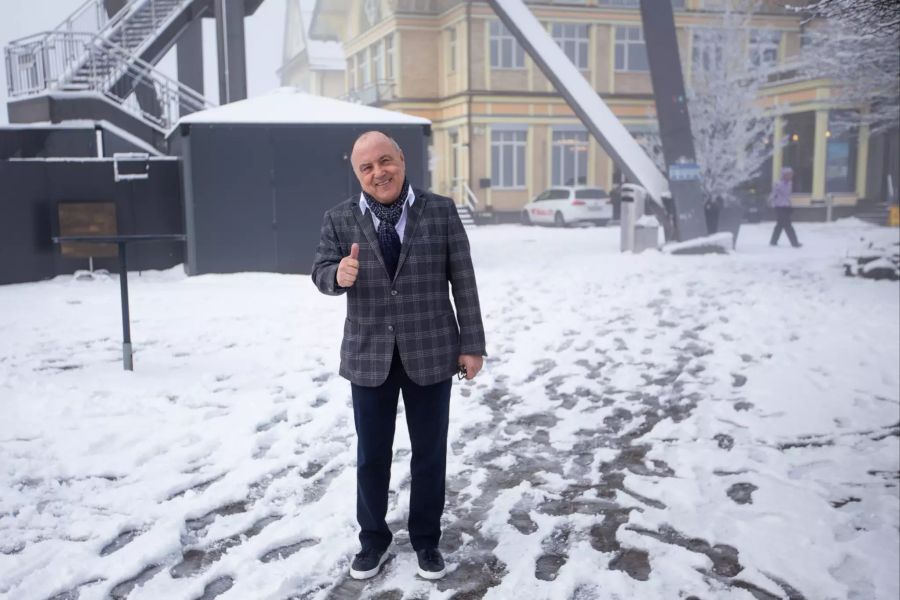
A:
(91, 56)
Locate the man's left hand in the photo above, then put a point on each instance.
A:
(472, 363)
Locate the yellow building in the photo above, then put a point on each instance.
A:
(501, 134)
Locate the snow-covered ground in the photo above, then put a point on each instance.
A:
(646, 427)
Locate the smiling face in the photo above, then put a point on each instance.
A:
(379, 166)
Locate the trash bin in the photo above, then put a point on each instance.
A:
(646, 234)
(632, 209)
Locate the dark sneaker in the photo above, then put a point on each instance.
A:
(367, 563)
(431, 563)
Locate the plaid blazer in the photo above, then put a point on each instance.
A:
(413, 310)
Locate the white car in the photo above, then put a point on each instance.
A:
(567, 205)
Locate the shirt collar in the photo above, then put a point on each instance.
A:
(410, 198)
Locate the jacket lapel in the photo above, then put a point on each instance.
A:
(412, 225)
(368, 229)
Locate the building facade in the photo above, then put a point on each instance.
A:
(501, 133)
(312, 66)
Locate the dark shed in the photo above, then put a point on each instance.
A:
(260, 173)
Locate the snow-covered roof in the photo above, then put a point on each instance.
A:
(287, 105)
(325, 56)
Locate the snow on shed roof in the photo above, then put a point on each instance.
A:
(287, 105)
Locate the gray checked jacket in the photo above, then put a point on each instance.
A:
(413, 310)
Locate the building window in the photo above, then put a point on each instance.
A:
(454, 160)
(763, 45)
(706, 49)
(840, 151)
(389, 56)
(570, 157)
(377, 50)
(631, 52)
(451, 57)
(508, 159)
(573, 39)
(800, 131)
(363, 74)
(506, 53)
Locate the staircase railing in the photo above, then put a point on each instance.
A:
(112, 71)
(470, 198)
(44, 61)
(90, 17)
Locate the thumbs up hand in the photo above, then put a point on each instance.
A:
(349, 268)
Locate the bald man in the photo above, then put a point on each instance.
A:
(396, 252)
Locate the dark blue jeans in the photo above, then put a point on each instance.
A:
(427, 417)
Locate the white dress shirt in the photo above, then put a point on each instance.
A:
(401, 224)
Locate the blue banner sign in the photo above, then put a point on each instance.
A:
(684, 172)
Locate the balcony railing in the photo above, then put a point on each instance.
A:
(377, 92)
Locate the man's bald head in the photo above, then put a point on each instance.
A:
(379, 165)
(373, 136)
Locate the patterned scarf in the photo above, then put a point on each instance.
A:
(389, 215)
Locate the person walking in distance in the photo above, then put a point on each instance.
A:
(396, 252)
(780, 199)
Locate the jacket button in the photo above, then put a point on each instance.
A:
(390, 327)
(393, 292)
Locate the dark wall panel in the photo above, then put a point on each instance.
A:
(231, 175)
(41, 143)
(258, 193)
(30, 192)
(303, 194)
(26, 252)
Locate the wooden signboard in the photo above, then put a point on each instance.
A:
(87, 218)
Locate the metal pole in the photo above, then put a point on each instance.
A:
(126, 324)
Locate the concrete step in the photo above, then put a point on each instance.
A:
(466, 216)
(874, 213)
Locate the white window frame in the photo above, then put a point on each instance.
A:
(363, 66)
(573, 38)
(451, 55)
(389, 56)
(502, 43)
(759, 41)
(707, 49)
(377, 50)
(455, 146)
(628, 39)
(512, 144)
(579, 143)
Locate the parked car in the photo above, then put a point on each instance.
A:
(568, 205)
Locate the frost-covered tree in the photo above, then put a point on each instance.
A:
(733, 135)
(878, 18)
(857, 47)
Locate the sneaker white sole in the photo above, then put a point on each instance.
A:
(432, 574)
(371, 572)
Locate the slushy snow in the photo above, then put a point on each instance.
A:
(646, 427)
